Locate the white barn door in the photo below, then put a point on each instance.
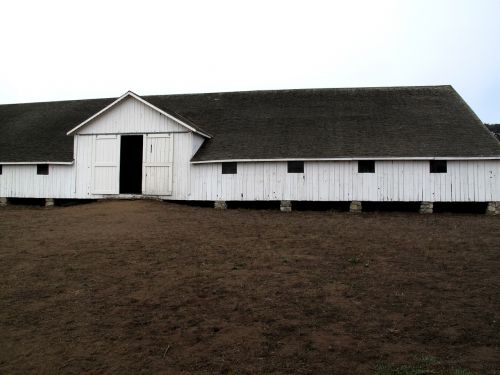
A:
(158, 161)
(105, 164)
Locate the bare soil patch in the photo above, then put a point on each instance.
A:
(151, 287)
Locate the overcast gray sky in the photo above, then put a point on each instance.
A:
(57, 50)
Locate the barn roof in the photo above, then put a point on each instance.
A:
(399, 122)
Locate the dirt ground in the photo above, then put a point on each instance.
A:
(152, 287)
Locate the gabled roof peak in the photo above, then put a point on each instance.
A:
(129, 93)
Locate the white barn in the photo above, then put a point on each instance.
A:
(401, 144)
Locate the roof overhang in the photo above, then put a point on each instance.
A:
(137, 97)
(348, 159)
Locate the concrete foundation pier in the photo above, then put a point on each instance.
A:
(49, 202)
(355, 207)
(493, 208)
(220, 205)
(426, 208)
(286, 206)
(3, 201)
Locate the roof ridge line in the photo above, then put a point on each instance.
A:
(246, 91)
(311, 89)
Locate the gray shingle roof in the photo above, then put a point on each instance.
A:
(37, 131)
(313, 123)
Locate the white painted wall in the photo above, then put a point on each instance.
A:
(21, 181)
(465, 181)
(130, 116)
(182, 149)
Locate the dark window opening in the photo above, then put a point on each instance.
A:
(131, 164)
(295, 167)
(438, 166)
(229, 168)
(366, 166)
(42, 169)
(1, 171)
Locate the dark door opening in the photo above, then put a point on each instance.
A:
(131, 164)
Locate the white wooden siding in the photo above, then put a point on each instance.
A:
(465, 181)
(180, 169)
(21, 181)
(131, 116)
(105, 164)
(157, 164)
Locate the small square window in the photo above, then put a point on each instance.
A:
(229, 168)
(295, 167)
(438, 166)
(42, 169)
(366, 166)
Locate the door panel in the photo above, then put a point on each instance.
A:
(158, 162)
(105, 161)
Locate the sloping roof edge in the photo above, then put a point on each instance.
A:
(471, 111)
(176, 117)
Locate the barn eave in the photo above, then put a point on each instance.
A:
(347, 159)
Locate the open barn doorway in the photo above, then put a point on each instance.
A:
(131, 164)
